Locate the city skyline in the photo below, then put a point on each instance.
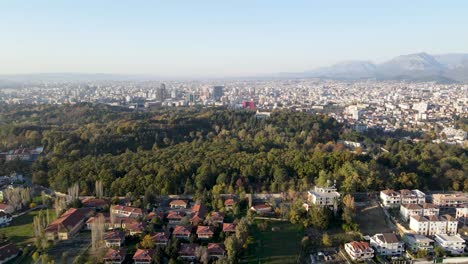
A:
(211, 39)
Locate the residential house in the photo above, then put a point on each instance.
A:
(412, 197)
(387, 244)
(229, 227)
(324, 196)
(359, 251)
(430, 209)
(178, 204)
(119, 222)
(5, 219)
(114, 256)
(6, 208)
(453, 244)
(216, 250)
(160, 239)
(181, 232)
(8, 252)
(217, 217)
(450, 200)
(390, 198)
(96, 203)
(187, 251)
(229, 203)
(114, 239)
(205, 232)
(135, 228)
(417, 242)
(198, 213)
(68, 224)
(126, 211)
(143, 256)
(175, 217)
(261, 208)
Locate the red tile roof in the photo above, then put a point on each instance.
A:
(206, 230)
(229, 227)
(144, 254)
(216, 249)
(181, 230)
(69, 219)
(115, 254)
(178, 202)
(187, 249)
(160, 237)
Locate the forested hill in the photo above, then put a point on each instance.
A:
(215, 150)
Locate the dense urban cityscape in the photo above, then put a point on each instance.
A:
(389, 105)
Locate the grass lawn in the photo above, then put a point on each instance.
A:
(20, 230)
(371, 219)
(280, 246)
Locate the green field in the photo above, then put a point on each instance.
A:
(280, 246)
(20, 230)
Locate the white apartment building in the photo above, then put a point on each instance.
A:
(432, 225)
(462, 215)
(391, 198)
(323, 196)
(451, 243)
(426, 209)
(359, 250)
(387, 244)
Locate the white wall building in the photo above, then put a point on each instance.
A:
(323, 196)
(391, 198)
(432, 225)
(426, 209)
(359, 250)
(453, 244)
(387, 244)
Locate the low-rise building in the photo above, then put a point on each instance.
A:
(181, 232)
(143, 256)
(160, 239)
(261, 208)
(217, 217)
(5, 219)
(229, 227)
(462, 215)
(114, 239)
(205, 232)
(391, 198)
(6, 208)
(450, 200)
(417, 242)
(114, 256)
(453, 244)
(187, 251)
(175, 217)
(432, 225)
(426, 209)
(387, 244)
(178, 204)
(359, 251)
(126, 211)
(68, 224)
(229, 203)
(324, 196)
(216, 250)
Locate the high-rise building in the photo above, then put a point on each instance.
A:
(217, 92)
(161, 92)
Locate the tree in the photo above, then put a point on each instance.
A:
(99, 189)
(97, 231)
(158, 257)
(439, 251)
(202, 254)
(232, 248)
(326, 241)
(147, 242)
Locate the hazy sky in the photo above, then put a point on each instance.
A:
(220, 37)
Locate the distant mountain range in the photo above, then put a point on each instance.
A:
(445, 68)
